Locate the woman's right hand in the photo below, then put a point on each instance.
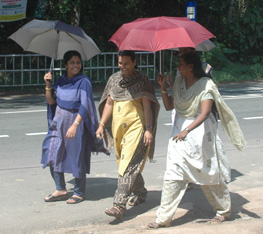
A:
(48, 79)
(100, 132)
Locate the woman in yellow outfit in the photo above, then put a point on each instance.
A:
(129, 111)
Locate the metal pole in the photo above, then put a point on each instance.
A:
(160, 62)
(171, 61)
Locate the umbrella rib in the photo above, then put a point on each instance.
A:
(73, 37)
(56, 50)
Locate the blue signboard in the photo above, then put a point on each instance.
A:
(191, 10)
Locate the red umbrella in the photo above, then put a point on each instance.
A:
(160, 33)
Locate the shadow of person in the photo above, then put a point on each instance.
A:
(238, 203)
(194, 206)
(197, 209)
(97, 188)
(235, 174)
(152, 201)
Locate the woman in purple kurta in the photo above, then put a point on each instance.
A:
(72, 126)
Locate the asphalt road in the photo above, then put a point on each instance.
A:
(24, 183)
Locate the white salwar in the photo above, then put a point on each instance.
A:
(200, 158)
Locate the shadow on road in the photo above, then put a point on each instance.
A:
(97, 188)
(20, 102)
(195, 205)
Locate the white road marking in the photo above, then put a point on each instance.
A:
(19, 112)
(228, 97)
(4, 136)
(36, 133)
(249, 118)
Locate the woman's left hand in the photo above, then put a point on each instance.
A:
(71, 133)
(180, 136)
(148, 138)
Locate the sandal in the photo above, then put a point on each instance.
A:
(115, 211)
(52, 198)
(136, 200)
(155, 225)
(75, 200)
(219, 219)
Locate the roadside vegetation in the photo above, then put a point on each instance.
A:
(226, 69)
(237, 24)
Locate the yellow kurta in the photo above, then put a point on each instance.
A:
(127, 130)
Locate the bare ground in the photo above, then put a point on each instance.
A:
(246, 220)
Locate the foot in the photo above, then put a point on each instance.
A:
(58, 195)
(190, 186)
(136, 200)
(75, 199)
(115, 211)
(219, 219)
(155, 225)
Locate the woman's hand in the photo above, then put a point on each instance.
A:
(170, 81)
(161, 80)
(180, 136)
(48, 79)
(71, 133)
(100, 132)
(148, 138)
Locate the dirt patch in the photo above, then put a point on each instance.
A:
(246, 221)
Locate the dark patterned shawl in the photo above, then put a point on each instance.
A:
(125, 89)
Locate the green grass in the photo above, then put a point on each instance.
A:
(236, 72)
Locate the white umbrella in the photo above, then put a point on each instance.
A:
(204, 46)
(54, 38)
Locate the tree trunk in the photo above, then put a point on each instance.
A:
(230, 11)
(77, 15)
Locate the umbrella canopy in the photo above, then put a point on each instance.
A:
(54, 38)
(160, 33)
(203, 46)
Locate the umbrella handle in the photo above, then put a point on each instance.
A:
(160, 62)
(171, 61)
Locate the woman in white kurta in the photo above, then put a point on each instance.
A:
(195, 152)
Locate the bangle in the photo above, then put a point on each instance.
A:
(164, 91)
(47, 88)
(102, 124)
(76, 122)
(187, 129)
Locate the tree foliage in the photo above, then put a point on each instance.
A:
(237, 24)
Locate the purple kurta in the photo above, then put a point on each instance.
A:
(73, 96)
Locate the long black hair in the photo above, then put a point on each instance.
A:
(69, 54)
(194, 59)
(129, 53)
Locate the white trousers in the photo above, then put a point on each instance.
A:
(173, 191)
